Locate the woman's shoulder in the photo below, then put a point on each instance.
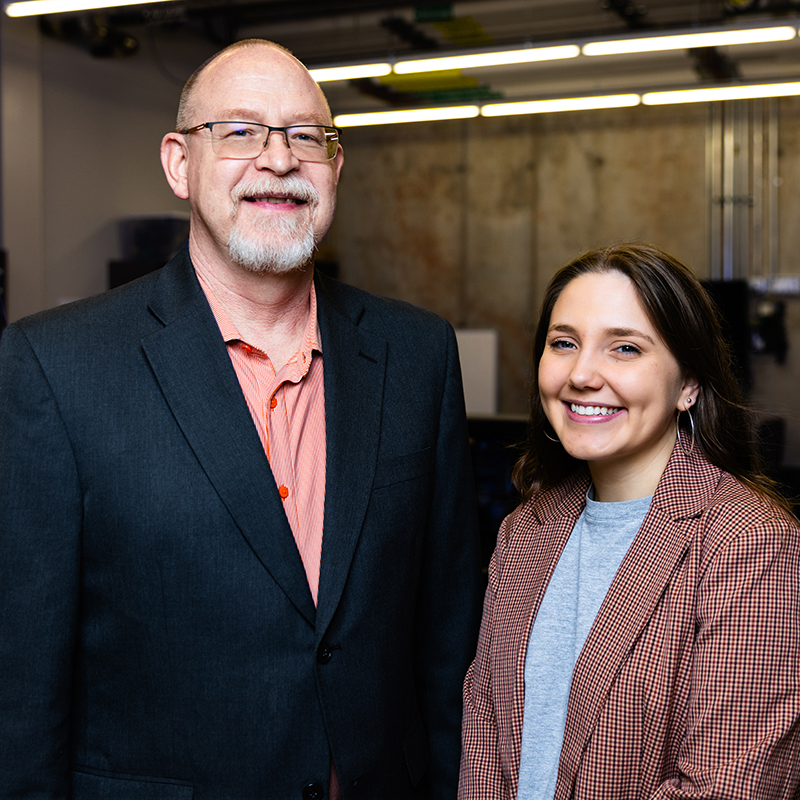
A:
(737, 513)
(562, 502)
(732, 500)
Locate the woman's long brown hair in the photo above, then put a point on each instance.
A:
(687, 321)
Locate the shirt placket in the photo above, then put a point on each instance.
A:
(280, 455)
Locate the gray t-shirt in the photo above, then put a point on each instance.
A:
(585, 569)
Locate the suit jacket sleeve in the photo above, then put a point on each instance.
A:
(742, 737)
(481, 775)
(449, 600)
(40, 504)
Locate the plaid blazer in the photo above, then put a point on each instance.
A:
(688, 685)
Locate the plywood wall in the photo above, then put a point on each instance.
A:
(472, 218)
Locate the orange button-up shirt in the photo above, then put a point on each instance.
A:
(288, 409)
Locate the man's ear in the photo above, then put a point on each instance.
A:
(174, 158)
(338, 161)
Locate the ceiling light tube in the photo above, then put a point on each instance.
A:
(685, 41)
(560, 104)
(716, 93)
(30, 8)
(349, 72)
(496, 58)
(406, 115)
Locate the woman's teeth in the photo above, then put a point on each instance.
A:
(592, 411)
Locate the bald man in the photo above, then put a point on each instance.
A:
(238, 550)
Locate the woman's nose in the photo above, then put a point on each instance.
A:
(586, 371)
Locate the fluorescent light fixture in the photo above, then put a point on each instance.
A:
(714, 93)
(496, 58)
(31, 8)
(407, 115)
(349, 72)
(684, 41)
(430, 81)
(560, 104)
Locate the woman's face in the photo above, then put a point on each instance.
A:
(609, 385)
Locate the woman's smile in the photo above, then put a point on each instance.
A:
(593, 411)
(609, 385)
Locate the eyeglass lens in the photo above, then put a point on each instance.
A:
(247, 140)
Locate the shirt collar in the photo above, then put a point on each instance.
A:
(311, 341)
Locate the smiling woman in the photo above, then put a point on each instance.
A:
(640, 635)
(610, 387)
(668, 300)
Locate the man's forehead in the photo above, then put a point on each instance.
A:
(298, 113)
(238, 86)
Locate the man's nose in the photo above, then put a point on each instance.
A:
(276, 155)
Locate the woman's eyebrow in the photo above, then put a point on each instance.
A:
(623, 332)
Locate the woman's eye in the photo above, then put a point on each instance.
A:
(561, 344)
(628, 349)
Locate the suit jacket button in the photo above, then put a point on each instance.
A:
(313, 791)
(324, 654)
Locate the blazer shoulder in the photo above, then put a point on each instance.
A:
(381, 315)
(128, 310)
(733, 499)
(97, 316)
(560, 505)
(735, 509)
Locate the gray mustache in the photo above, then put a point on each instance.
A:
(295, 187)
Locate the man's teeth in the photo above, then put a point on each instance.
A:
(592, 411)
(275, 200)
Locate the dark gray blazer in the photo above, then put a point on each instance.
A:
(157, 635)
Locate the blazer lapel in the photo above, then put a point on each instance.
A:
(355, 367)
(527, 568)
(644, 573)
(191, 364)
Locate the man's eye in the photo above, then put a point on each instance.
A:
(242, 132)
(306, 136)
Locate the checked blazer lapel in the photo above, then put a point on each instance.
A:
(355, 366)
(192, 367)
(645, 572)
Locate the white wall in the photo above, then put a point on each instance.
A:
(22, 167)
(81, 140)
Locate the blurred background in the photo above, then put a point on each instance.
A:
(468, 217)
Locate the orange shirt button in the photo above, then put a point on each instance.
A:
(283, 492)
(273, 402)
(247, 348)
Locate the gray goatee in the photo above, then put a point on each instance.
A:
(274, 244)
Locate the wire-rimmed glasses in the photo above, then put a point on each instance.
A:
(316, 143)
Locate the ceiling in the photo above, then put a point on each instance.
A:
(324, 33)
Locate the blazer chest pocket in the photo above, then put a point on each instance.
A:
(86, 786)
(403, 468)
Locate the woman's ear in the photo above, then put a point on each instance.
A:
(689, 392)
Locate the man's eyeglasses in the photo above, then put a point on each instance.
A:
(247, 139)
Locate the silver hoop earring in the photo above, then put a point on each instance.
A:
(550, 437)
(680, 438)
